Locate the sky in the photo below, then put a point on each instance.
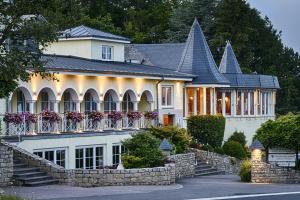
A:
(285, 16)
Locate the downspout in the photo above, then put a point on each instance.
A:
(157, 98)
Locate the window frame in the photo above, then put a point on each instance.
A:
(54, 150)
(166, 105)
(119, 154)
(104, 52)
(94, 157)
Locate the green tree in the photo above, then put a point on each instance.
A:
(23, 30)
(238, 137)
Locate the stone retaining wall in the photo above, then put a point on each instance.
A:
(221, 162)
(184, 164)
(262, 172)
(100, 177)
(6, 165)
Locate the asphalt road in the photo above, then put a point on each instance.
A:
(202, 188)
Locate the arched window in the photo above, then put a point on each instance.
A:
(69, 104)
(45, 104)
(89, 103)
(21, 102)
(127, 104)
(109, 103)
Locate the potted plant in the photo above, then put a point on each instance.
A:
(151, 115)
(96, 116)
(50, 116)
(133, 116)
(13, 118)
(75, 117)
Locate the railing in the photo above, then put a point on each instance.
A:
(44, 126)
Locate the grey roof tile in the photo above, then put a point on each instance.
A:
(229, 63)
(71, 63)
(197, 59)
(84, 31)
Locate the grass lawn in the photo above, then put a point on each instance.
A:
(9, 197)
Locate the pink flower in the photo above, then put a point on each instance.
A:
(134, 115)
(151, 115)
(74, 116)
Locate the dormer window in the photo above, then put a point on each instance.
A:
(107, 52)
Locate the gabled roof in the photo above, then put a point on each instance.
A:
(84, 31)
(229, 63)
(83, 65)
(197, 59)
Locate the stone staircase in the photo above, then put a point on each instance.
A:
(204, 169)
(30, 176)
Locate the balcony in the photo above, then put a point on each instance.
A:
(53, 123)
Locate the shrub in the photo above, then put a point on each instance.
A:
(177, 136)
(219, 150)
(238, 137)
(9, 197)
(245, 171)
(142, 151)
(207, 129)
(132, 162)
(234, 149)
(207, 148)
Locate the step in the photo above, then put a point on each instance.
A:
(205, 170)
(41, 183)
(29, 174)
(209, 173)
(20, 165)
(35, 178)
(203, 167)
(29, 169)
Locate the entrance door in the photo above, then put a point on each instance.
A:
(169, 120)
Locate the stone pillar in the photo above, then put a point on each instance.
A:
(6, 165)
(223, 104)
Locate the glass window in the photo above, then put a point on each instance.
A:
(166, 96)
(109, 103)
(21, 102)
(208, 101)
(239, 104)
(200, 101)
(89, 158)
(89, 103)
(49, 155)
(107, 52)
(69, 104)
(99, 158)
(79, 159)
(228, 103)
(38, 153)
(190, 99)
(44, 101)
(117, 151)
(251, 103)
(258, 102)
(127, 104)
(57, 156)
(219, 102)
(246, 109)
(61, 157)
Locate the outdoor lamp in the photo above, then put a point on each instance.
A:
(256, 145)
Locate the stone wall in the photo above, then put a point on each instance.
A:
(262, 172)
(100, 177)
(224, 163)
(6, 165)
(184, 164)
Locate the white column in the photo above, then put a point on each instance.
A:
(215, 101)
(55, 106)
(118, 103)
(9, 106)
(204, 101)
(223, 104)
(255, 103)
(195, 101)
(212, 101)
(233, 102)
(98, 106)
(152, 108)
(135, 106)
(31, 106)
(242, 104)
(185, 103)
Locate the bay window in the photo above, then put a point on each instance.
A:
(228, 103)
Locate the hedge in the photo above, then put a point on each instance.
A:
(207, 129)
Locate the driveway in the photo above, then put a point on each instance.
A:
(220, 186)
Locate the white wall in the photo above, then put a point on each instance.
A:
(72, 142)
(118, 50)
(248, 125)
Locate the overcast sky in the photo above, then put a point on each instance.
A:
(285, 16)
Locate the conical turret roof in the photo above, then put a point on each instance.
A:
(229, 63)
(197, 59)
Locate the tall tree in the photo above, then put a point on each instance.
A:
(23, 30)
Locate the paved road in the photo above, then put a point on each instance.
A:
(202, 188)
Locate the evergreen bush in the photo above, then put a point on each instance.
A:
(207, 129)
(245, 171)
(234, 149)
(238, 137)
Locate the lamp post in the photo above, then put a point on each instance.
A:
(256, 148)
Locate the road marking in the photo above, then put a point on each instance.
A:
(247, 196)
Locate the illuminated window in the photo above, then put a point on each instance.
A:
(228, 103)
(258, 102)
(251, 103)
(208, 101)
(219, 102)
(127, 104)
(246, 109)
(239, 103)
(109, 103)
(190, 99)
(69, 103)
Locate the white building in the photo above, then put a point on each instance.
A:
(102, 72)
